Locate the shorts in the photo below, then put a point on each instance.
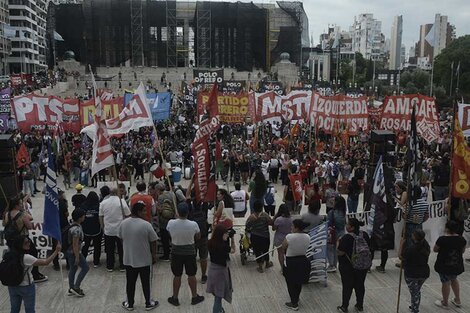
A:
(201, 248)
(447, 277)
(186, 261)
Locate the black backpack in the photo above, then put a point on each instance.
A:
(11, 229)
(66, 240)
(11, 269)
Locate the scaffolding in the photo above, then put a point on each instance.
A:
(137, 38)
(203, 35)
(171, 25)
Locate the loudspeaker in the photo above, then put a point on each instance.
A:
(7, 155)
(10, 188)
(378, 136)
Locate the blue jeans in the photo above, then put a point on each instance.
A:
(332, 255)
(28, 186)
(22, 293)
(352, 205)
(217, 308)
(76, 282)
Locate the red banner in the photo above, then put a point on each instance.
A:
(460, 165)
(336, 113)
(111, 109)
(40, 111)
(396, 115)
(232, 108)
(296, 185)
(21, 79)
(294, 106)
(204, 187)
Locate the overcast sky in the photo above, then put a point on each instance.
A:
(415, 13)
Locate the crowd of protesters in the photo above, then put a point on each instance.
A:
(257, 159)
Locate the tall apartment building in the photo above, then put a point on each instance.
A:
(4, 41)
(433, 38)
(28, 46)
(366, 33)
(395, 43)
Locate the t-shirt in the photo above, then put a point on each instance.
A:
(78, 199)
(239, 200)
(136, 235)
(75, 231)
(346, 244)
(110, 209)
(449, 258)
(416, 261)
(312, 220)
(297, 244)
(283, 225)
(28, 261)
(182, 234)
(417, 212)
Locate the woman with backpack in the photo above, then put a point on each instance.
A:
(449, 263)
(17, 260)
(270, 200)
(354, 262)
(336, 222)
(17, 222)
(354, 190)
(91, 227)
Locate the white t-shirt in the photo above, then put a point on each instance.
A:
(28, 261)
(250, 129)
(182, 231)
(239, 200)
(297, 244)
(112, 213)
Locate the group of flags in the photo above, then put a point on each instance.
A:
(135, 114)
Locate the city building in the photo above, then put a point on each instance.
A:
(388, 77)
(4, 36)
(367, 37)
(28, 46)
(238, 35)
(444, 33)
(395, 61)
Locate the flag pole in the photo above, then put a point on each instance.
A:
(449, 197)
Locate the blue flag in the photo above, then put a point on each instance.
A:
(51, 225)
(159, 104)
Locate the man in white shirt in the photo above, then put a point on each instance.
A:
(240, 198)
(112, 212)
(183, 234)
(139, 242)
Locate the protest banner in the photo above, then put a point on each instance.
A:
(233, 108)
(317, 253)
(330, 113)
(464, 118)
(42, 111)
(4, 122)
(42, 242)
(111, 109)
(190, 94)
(273, 107)
(5, 99)
(275, 86)
(208, 77)
(396, 115)
(233, 86)
(159, 104)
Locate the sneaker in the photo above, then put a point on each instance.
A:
(331, 269)
(127, 306)
(78, 292)
(152, 305)
(204, 279)
(293, 307)
(341, 309)
(457, 304)
(96, 265)
(380, 269)
(40, 278)
(197, 299)
(269, 264)
(70, 292)
(359, 308)
(441, 305)
(174, 301)
(164, 258)
(110, 270)
(122, 269)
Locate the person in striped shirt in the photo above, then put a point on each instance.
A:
(415, 216)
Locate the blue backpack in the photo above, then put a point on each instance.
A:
(269, 197)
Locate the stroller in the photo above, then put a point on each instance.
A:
(246, 248)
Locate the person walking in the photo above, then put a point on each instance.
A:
(26, 291)
(449, 263)
(257, 225)
(79, 197)
(257, 189)
(219, 281)
(353, 278)
(113, 210)
(282, 226)
(183, 234)
(415, 263)
(297, 267)
(76, 259)
(240, 198)
(139, 241)
(91, 227)
(336, 223)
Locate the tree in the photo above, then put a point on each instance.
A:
(457, 52)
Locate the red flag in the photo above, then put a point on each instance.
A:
(22, 157)
(295, 130)
(296, 185)
(460, 164)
